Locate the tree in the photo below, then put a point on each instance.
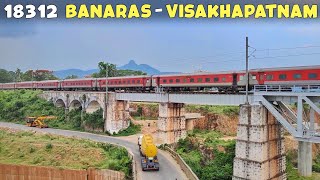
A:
(128, 72)
(6, 76)
(18, 75)
(113, 71)
(38, 75)
(72, 77)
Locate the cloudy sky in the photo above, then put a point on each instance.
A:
(167, 45)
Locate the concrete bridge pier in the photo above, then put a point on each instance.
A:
(260, 150)
(171, 122)
(117, 115)
(305, 158)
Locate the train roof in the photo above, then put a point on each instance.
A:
(287, 68)
(79, 79)
(120, 77)
(243, 71)
(197, 73)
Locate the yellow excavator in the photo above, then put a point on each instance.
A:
(38, 121)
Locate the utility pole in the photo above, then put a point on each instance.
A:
(106, 111)
(107, 74)
(247, 70)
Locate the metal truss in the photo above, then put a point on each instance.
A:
(300, 123)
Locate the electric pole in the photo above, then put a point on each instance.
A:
(247, 70)
(106, 99)
(107, 74)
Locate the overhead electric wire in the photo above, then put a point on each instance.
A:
(289, 48)
(290, 55)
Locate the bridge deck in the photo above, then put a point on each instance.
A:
(198, 99)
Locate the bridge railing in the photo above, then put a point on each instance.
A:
(287, 88)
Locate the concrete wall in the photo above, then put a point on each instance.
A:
(171, 122)
(260, 152)
(117, 115)
(13, 172)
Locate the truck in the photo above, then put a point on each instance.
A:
(148, 152)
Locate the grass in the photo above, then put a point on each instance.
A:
(131, 130)
(144, 118)
(206, 109)
(30, 148)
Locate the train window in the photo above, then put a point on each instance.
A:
(313, 76)
(138, 81)
(184, 80)
(297, 76)
(224, 79)
(164, 81)
(133, 81)
(191, 80)
(199, 79)
(282, 76)
(177, 80)
(254, 77)
(269, 77)
(216, 79)
(207, 79)
(129, 82)
(124, 82)
(171, 80)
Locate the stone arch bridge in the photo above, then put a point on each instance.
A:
(116, 112)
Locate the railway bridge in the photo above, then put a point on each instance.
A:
(260, 151)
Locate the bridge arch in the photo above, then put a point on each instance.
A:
(60, 103)
(93, 106)
(75, 104)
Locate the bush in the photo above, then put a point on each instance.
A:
(131, 130)
(49, 146)
(220, 167)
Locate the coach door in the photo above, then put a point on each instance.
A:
(261, 78)
(235, 79)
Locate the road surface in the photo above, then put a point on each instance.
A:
(169, 169)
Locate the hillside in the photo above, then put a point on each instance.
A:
(78, 72)
(32, 148)
(132, 65)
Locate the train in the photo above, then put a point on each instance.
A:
(231, 81)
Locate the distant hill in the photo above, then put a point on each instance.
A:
(132, 65)
(78, 72)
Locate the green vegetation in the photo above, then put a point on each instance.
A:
(212, 158)
(15, 106)
(131, 130)
(30, 75)
(145, 111)
(208, 157)
(206, 109)
(292, 172)
(113, 71)
(72, 77)
(30, 148)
